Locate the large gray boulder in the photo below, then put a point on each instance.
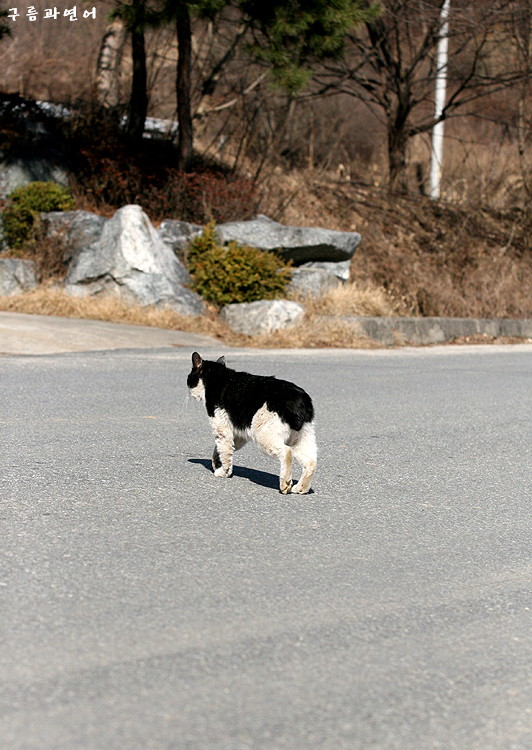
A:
(15, 173)
(312, 282)
(178, 234)
(299, 244)
(17, 276)
(341, 269)
(77, 230)
(264, 316)
(130, 260)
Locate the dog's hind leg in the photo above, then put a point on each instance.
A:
(305, 453)
(271, 434)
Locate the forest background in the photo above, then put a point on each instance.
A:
(314, 113)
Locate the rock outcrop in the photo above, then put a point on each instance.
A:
(312, 282)
(130, 259)
(77, 230)
(341, 269)
(299, 244)
(178, 234)
(16, 276)
(264, 316)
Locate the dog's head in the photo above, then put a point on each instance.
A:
(201, 369)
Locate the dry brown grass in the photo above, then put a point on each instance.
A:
(320, 328)
(431, 258)
(449, 262)
(312, 332)
(481, 159)
(49, 299)
(354, 298)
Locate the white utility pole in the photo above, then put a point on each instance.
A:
(439, 98)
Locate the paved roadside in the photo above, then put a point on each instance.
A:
(21, 333)
(42, 334)
(152, 605)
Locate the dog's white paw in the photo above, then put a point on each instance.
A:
(286, 486)
(221, 472)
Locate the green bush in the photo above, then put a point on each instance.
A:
(236, 273)
(23, 206)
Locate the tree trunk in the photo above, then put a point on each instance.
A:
(184, 64)
(523, 125)
(138, 103)
(397, 161)
(108, 65)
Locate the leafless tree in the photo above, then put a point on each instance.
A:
(391, 65)
(523, 48)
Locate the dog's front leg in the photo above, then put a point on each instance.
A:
(222, 457)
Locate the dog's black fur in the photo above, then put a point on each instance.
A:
(276, 414)
(242, 394)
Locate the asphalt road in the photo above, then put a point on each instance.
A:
(146, 604)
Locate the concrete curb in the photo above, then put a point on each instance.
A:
(21, 333)
(390, 331)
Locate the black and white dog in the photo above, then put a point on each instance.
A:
(276, 414)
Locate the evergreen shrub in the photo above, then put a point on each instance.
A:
(20, 217)
(236, 273)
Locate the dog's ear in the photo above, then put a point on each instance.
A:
(196, 361)
(221, 360)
